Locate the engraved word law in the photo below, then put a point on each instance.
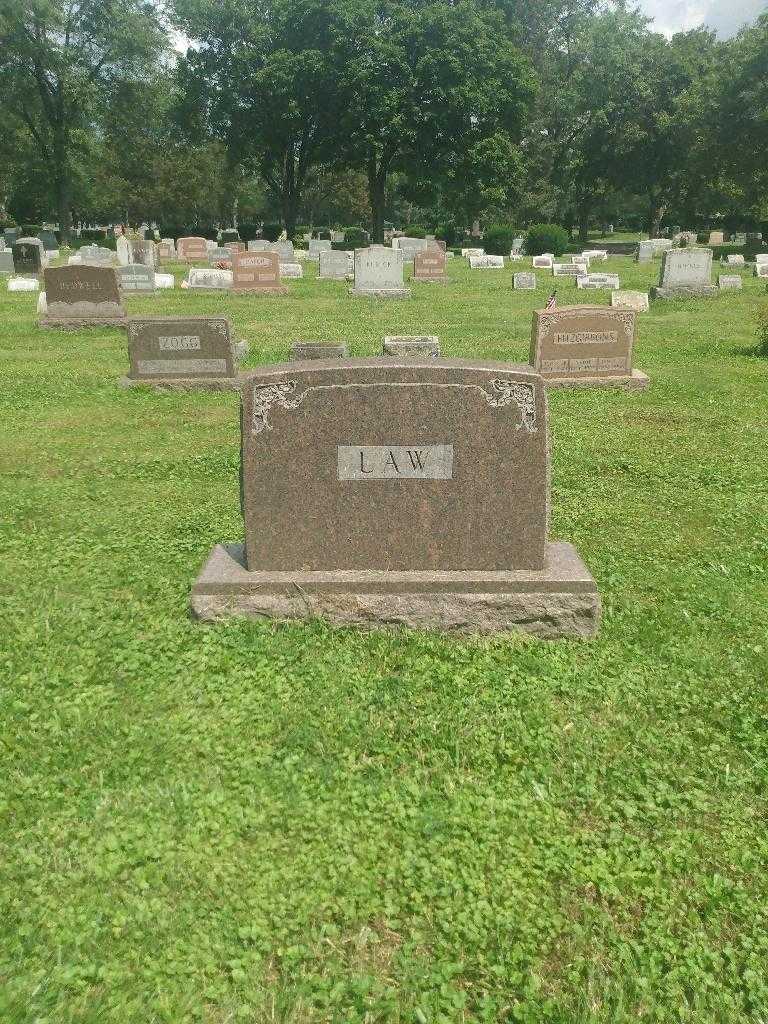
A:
(395, 462)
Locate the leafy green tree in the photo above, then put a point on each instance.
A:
(59, 59)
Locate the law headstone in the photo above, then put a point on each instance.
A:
(191, 248)
(179, 353)
(379, 274)
(628, 299)
(685, 272)
(82, 296)
(319, 350)
(411, 346)
(136, 277)
(525, 281)
(585, 346)
(334, 265)
(385, 492)
(429, 265)
(257, 273)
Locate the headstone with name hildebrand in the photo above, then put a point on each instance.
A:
(136, 277)
(585, 346)
(191, 248)
(6, 262)
(319, 350)
(82, 296)
(389, 492)
(27, 258)
(204, 279)
(334, 265)
(525, 282)
(729, 282)
(685, 272)
(257, 273)
(429, 265)
(630, 300)
(411, 346)
(181, 353)
(379, 274)
(486, 262)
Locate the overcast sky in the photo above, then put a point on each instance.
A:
(725, 16)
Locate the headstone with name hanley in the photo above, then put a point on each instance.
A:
(181, 353)
(191, 248)
(729, 282)
(334, 265)
(585, 346)
(486, 262)
(385, 492)
(379, 274)
(82, 296)
(411, 346)
(685, 272)
(6, 262)
(27, 258)
(257, 273)
(525, 281)
(543, 262)
(429, 265)
(316, 246)
(319, 350)
(630, 300)
(645, 251)
(136, 277)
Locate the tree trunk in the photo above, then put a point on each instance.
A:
(377, 190)
(655, 214)
(63, 185)
(584, 212)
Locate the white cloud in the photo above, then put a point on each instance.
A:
(725, 16)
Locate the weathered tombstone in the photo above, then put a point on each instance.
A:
(261, 245)
(97, 256)
(472, 252)
(345, 463)
(319, 350)
(486, 262)
(291, 270)
(735, 260)
(411, 346)
(23, 284)
(761, 257)
(630, 300)
(136, 277)
(191, 248)
(660, 245)
(220, 255)
(123, 250)
(6, 262)
(436, 243)
(517, 243)
(599, 281)
(165, 281)
(144, 253)
(410, 246)
(213, 279)
(49, 240)
(27, 258)
(181, 353)
(596, 254)
(716, 238)
(685, 272)
(645, 252)
(729, 282)
(569, 270)
(166, 251)
(429, 265)
(11, 235)
(585, 346)
(379, 274)
(334, 265)
(581, 261)
(238, 246)
(761, 270)
(285, 251)
(257, 273)
(316, 246)
(82, 296)
(525, 282)
(543, 262)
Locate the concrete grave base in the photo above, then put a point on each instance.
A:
(637, 381)
(381, 293)
(185, 383)
(560, 600)
(685, 292)
(72, 323)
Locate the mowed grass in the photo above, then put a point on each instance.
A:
(290, 823)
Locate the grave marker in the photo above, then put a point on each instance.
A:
(334, 265)
(630, 300)
(685, 272)
(379, 274)
(729, 282)
(136, 277)
(319, 350)
(27, 258)
(486, 262)
(191, 248)
(429, 265)
(82, 296)
(181, 353)
(411, 346)
(525, 282)
(257, 273)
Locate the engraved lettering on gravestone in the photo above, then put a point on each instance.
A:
(176, 366)
(585, 338)
(178, 343)
(583, 364)
(395, 462)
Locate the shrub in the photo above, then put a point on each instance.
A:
(248, 232)
(497, 240)
(91, 235)
(702, 238)
(450, 233)
(415, 231)
(355, 238)
(762, 333)
(301, 230)
(272, 231)
(230, 235)
(546, 238)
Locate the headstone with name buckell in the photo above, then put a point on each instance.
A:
(182, 353)
(82, 296)
(379, 274)
(585, 346)
(384, 492)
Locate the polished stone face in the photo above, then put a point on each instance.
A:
(192, 248)
(429, 265)
(27, 258)
(333, 265)
(136, 278)
(161, 348)
(583, 341)
(255, 271)
(82, 291)
(381, 464)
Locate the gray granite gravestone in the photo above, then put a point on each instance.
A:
(729, 282)
(525, 281)
(411, 346)
(684, 273)
(385, 492)
(27, 257)
(379, 274)
(6, 262)
(333, 265)
(136, 277)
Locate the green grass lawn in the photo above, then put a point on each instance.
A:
(273, 823)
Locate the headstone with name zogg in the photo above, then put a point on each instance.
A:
(181, 353)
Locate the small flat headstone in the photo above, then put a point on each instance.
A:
(291, 270)
(638, 301)
(599, 281)
(472, 252)
(729, 282)
(569, 270)
(486, 262)
(525, 281)
(543, 262)
(319, 350)
(23, 284)
(167, 349)
(735, 260)
(165, 281)
(429, 265)
(412, 346)
(211, 279)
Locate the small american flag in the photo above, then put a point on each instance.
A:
(551, 301)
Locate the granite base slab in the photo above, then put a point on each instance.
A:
(60, 323)
(559, 601)
(185, 383)
(381, 293)
(637, 381)
(693, 292)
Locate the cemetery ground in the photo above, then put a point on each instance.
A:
(290, 823)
